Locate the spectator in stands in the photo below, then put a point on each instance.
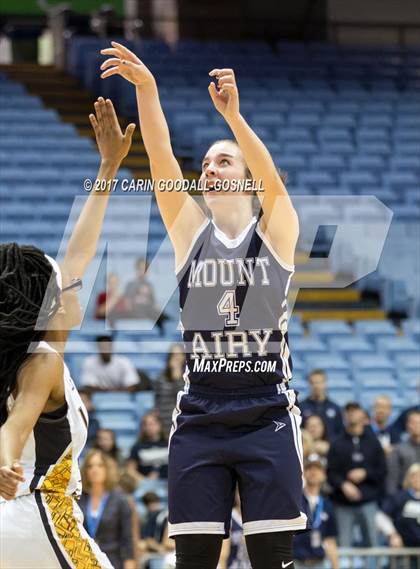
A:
(93, 421)
(107, 514)
(153, 525)
(404, 454)
(107, 443)
(400, 424)
(319, 404)
(108, 372)
(140, 298)
(316, 427)
(312, 548)
(404, 508)
(128, 484)
(149, 455)
(168, 383)
(110, 303)
(380, 425)
(356, 472)
(307, 444)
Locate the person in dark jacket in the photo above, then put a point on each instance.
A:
(399, 426)
(403, 510)
(404, 454)
(169, 383)
(314, 547)
(149, 455)
(107, 513)
(356, 473)
(318, 403)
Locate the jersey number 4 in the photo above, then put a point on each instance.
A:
(227, 307)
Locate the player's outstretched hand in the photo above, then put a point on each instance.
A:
(125, 63)
(9, 480)
(225, 96)
(112, 143)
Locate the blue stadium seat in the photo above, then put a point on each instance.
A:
(308, 346)
(375, 328)
(409, 379)
(408, 363)
(373, 379)
(316, 179)
(328, 362)
(331, 162)
(372, 163)
(326, 328)
(335, 147)
(412, 327)
(350, 346)
(375, 362)
(294, 134)
(400, 344)
(358, 179)
(144, 401)
(119, 397)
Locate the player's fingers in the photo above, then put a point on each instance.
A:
(111, 51)
(8, 476)
(128, 134)
(94, 123)
(220, 72)
(7, 495)
(213, 92)
(109, 72)
(17, 468)
(127, 53)
(228, 87)
(9, 488)
(108, 111)
(112, 115)
(226, 80)
(110, 62)
(98, 109)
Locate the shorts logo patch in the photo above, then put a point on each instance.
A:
(279, 426)
(283, 564)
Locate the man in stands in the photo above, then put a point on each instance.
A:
(313, 547)
(380, 425)
(318, 403)
(356, 472)
(108, 372)
(404, 454)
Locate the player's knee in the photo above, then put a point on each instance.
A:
(271, 550)
(193, 551)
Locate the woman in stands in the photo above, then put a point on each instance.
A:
(107, 514)
(43, 422)
(236, 422)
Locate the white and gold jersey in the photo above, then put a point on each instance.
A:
(50, 455)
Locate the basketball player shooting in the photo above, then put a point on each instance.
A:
(236, 421)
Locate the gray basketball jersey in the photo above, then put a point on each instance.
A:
(233, 310)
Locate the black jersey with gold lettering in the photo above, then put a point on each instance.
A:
(233, 310)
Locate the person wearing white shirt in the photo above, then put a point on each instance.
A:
(108, 372)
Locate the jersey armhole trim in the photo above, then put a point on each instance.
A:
(199, 231)
(286, 266)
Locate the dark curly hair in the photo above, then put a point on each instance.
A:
(27, 301)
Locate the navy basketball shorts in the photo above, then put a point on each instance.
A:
(247, 438)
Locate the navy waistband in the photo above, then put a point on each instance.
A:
(275, 389)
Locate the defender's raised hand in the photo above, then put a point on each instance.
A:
(225, 96)
(113, 145)
(125, 63)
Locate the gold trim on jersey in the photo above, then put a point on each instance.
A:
(65, 524)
